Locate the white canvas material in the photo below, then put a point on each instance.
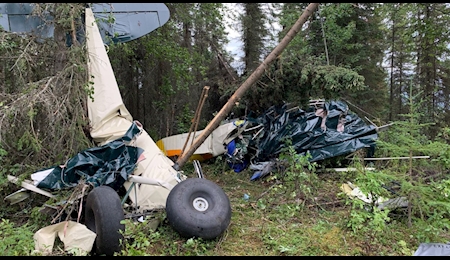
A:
(110, 119)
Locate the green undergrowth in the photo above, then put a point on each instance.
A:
(272, 223)
(300, 211)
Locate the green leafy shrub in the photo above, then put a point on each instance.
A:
(16, 241)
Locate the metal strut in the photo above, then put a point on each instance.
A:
(198, 168)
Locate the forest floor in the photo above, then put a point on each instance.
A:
(264, 222)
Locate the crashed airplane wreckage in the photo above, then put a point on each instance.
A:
(126, 161)
(326, 129)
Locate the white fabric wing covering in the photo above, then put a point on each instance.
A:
(109, 120)
(77, 238)
(213, 144)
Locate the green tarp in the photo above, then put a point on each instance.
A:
(109, 164)
(305, 130)
(324, 131)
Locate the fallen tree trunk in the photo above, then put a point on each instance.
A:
(245, 86)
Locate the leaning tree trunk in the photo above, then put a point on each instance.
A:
(246, 85)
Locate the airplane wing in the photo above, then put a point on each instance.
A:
(117, 22)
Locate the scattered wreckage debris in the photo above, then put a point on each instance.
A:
(424, 249)
(172, 146)
(353, 191)
(433, 249)
(382, 203)
(326, 129)
(125, 155)
(76, 237)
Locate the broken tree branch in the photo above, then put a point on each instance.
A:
(246, 85)
(196, 119)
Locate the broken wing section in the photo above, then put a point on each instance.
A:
(110, 120)
(212, 146)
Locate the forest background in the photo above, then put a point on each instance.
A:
(386, 60)
(367, 54)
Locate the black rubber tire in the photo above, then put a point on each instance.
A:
(103, 214)
(198, 207)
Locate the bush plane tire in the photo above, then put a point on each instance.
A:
(103, 215)
(197, 207)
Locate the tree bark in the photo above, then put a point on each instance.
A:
(246, 85)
